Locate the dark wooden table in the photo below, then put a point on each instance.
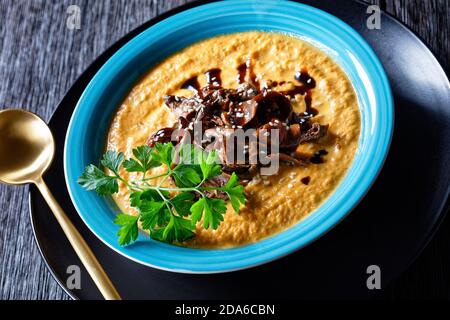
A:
(39, 60)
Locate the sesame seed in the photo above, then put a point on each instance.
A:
(290, 185)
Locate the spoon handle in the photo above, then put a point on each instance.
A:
(83, 251)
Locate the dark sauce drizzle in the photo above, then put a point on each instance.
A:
(213, 76)
(306, 180)
(245, 68)
(276, 83)
(310, 111)
(192, 84)
(242, 72)
(308, 83)
(303, 76)
(163, 135)
(317, 157)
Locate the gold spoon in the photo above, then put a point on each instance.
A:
(26, 151)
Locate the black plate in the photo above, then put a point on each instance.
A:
(389, 228)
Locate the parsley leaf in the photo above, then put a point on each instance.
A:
(143, 162)
(135, 198)
(211, 209)
(235, 192)
(163, 153)
(128, 231)
(186, 176)
(182, 203)
(131, 165)
(178, 229)
(169, 213)
(112, 160)
(95, 179)
(153, 213)
(209, 166)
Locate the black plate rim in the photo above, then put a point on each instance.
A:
(442, 212)
(445, 73)
(445, 207)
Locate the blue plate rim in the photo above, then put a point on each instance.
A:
(293, 247)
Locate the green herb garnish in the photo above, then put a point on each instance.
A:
(169, 214)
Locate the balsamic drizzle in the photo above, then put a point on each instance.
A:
(303, 76)
(317, 157)
(213, 77)
(310, 111)
(245, 68)
(192, 84)
(307, 83)
(242, 72)
(276, 83)
(306, 180)
(252, 74)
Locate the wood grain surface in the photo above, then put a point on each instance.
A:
(39, 60)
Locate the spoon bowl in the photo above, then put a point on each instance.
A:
(27, 146)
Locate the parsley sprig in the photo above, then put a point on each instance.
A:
(170, 214)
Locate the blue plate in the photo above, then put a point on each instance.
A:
(90, 123)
